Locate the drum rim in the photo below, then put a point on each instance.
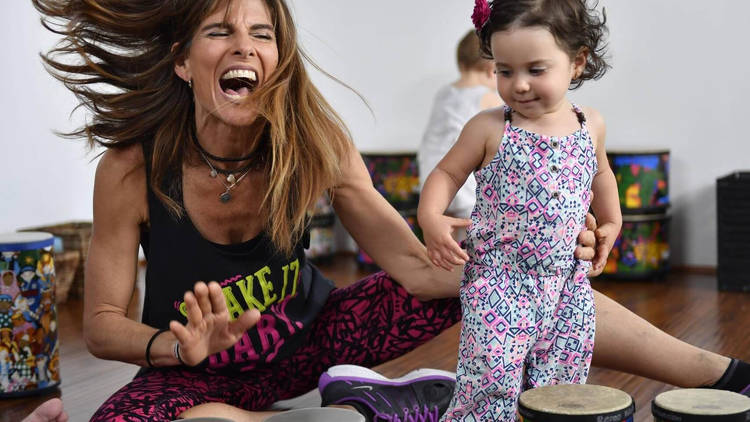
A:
(671, 415)
(641, 218)
(34, 240)
(638, 152)
(667, 413)
(619, 414)
(33, 392)
(539, 415)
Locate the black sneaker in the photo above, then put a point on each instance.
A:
(420, 395)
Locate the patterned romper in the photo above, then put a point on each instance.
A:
(528, 307)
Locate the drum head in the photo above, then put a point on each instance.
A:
(22, 241)
(698, 404)
(575, 402)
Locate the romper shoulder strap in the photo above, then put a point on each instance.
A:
(579, 114)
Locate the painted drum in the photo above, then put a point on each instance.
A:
(575, 403)
(642, 180)
(318, 414)
(700, 404)
(641, 250)
(396, 176)
(322, 237)
(29, 353)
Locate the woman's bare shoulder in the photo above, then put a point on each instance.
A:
(121, 179)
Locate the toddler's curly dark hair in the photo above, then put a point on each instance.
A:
(573, 23)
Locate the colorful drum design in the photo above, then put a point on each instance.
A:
(396, 176)
(322, 238)
(641, 250)
(29, 354)
(700, 404)
(642, 180)
(575, 403)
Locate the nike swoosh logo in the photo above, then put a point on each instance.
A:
(367, 387)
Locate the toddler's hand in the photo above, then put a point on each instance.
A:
(442, 249)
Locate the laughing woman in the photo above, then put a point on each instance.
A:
(218, 146)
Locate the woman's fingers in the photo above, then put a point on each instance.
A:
(246, 321)
(201, 294)
(180, 332)
(216, 296)
(194, 313)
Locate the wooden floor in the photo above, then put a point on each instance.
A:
(685, 305)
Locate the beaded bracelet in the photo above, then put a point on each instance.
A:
(150, 342)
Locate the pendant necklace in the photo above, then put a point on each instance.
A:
(257, 161)
(231, 180)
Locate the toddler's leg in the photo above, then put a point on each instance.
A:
(498, 329)
(563, 353)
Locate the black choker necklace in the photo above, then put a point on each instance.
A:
(252, 154)
(234, 176)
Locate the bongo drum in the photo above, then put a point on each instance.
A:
(29, 356)
(575, 403)
(642, 180)
(700, 404)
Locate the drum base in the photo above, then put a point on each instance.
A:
(29, 393)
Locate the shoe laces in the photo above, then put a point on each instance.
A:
(424, 414)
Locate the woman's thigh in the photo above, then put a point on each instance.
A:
(375, 320)
(163, 394)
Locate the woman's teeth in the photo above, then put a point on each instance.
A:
(238, 83)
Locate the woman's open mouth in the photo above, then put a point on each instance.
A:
(238, 83)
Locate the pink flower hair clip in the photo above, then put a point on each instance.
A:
(481, 13)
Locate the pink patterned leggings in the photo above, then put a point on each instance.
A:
(367, 323)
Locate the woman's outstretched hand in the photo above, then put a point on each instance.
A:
(209, 329)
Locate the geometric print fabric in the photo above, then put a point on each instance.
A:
(528, 310)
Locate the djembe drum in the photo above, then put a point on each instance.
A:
(699, 405)
(641, 249)
(29, 355)
(575, 403)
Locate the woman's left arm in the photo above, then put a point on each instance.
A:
(381, 231)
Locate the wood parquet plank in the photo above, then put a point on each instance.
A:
(687, 306)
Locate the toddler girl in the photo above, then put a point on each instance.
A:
(539, 162)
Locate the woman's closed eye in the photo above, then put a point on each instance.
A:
(263, 36)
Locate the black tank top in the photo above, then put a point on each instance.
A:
(287, 290)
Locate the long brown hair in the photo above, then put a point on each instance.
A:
(128, 46)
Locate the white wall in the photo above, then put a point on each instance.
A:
(679, 81)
